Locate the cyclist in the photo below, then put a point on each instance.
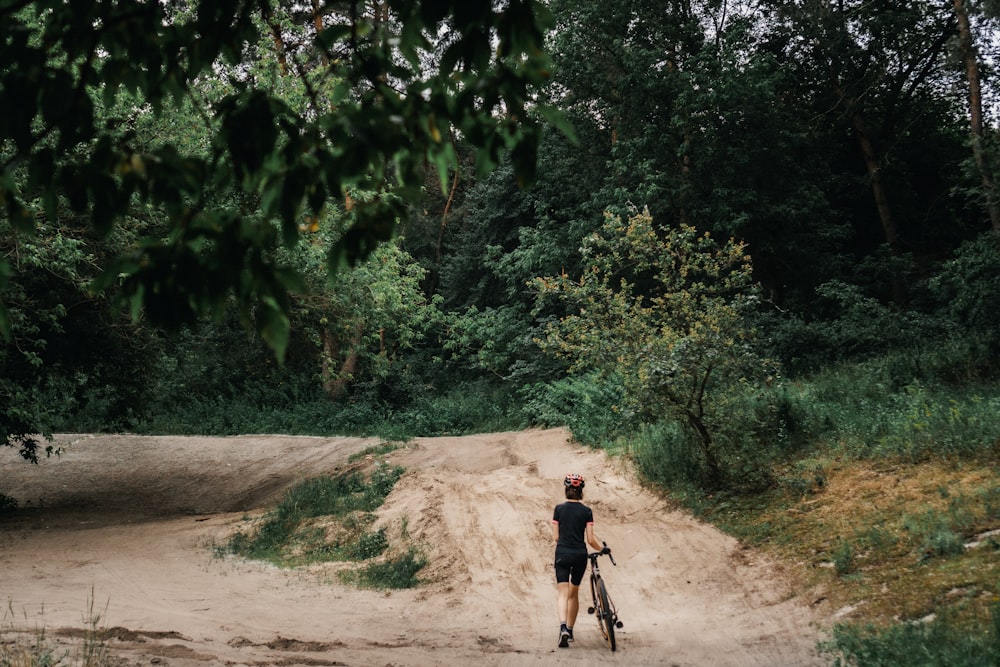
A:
(572, 531)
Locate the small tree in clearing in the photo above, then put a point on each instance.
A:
(663, 310)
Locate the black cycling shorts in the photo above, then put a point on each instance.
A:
(570, 568)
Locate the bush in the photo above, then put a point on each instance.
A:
(320, 497)
(398, 572)
(941, 642)
(935, 534)
(586, 404)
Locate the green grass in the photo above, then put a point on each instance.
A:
(935, 643)
(329, 519)
(321, 519)
(391, 573)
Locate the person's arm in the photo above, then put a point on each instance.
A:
(555, 532)
(592, 539)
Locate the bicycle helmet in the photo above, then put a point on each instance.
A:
(573, 480)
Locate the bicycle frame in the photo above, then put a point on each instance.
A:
(604, 607)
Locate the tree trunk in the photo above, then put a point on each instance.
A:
(335, 383)
(318, 26)
(967, 50)
(707, 449)
(875, 182)
(444, 218)
(874, 176)
(279, 46)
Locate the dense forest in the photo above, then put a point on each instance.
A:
(710, 233)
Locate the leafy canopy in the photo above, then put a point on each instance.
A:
(397, 94)
(661, 310)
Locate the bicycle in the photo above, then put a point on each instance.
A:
(604, 608)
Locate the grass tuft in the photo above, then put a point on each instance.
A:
(933, 643)
(320, 520)
(329, 519)
(391, 573)
(21, 647)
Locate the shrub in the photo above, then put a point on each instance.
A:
(588, 405)
(843, 557)
(368, 546)
(398, 572)
(339, 497)
(941, 642)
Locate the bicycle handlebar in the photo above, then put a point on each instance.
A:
(593, 556)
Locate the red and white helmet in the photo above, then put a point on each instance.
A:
(573, 480)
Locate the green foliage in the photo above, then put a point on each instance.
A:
(586, 404)
(215, 159)
(48, 368)
(843, 557)
(298, 159)
(968, 287)
(940, 642)
(390, 573)
(666, 454)
(663, 311)
(855, 327)
(935, 534)
(339, 497)
(873, 410)
(368, 546)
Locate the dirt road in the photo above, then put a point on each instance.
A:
(123, 526)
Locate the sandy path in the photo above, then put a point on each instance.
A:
(125, 525)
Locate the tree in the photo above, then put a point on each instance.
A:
(391, 111)
(381, 97)
(970, 59)
(878, 74)
(663, 311)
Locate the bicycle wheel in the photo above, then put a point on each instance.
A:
(606, 614)
(596, 609)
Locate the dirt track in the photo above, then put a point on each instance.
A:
(125, 525)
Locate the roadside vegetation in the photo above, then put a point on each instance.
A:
(27, 644)
(759, 256)
(330, 519)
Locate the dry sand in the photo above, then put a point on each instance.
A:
(124, 526)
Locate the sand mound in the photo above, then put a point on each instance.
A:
(123, 526)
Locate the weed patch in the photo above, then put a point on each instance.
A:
(934, 643)
(34, 647)
(329, 519)
(396, 572)
(896, 543)
(320, 520)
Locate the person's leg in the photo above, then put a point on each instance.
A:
(577, 570)
(563, 601)
(572, 604)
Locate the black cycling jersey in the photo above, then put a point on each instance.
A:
(573, 519)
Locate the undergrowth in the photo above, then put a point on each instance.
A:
(399, 571)
(34, 647)
(935, 643)
(329, 519)
(884, 485)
